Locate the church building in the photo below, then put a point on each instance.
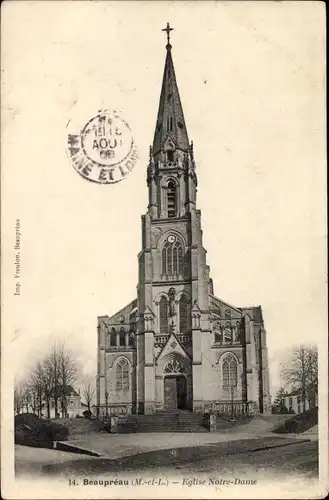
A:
(177, 345)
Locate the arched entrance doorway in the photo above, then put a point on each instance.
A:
(174, 386)
(175, 392)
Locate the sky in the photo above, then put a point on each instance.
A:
(251, 81)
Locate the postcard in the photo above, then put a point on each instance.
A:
(164, 293)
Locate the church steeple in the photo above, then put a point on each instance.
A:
(171, 176)
(170, 121)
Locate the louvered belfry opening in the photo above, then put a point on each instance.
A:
(171, 199)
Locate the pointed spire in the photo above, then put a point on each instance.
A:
(170, 120)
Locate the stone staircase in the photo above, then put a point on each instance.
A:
(174, 421)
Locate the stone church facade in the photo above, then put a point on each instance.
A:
(177, 345)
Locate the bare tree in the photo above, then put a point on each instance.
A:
(22, 398)
(299, 371)
(67, 374)
(39, 388)
(52, 364)
(18, 398)
(312, 375)
(47, 383)
(89, 391)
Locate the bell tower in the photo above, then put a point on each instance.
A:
(171, 174)
(173, 276)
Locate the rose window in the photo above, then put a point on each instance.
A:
(174, 367)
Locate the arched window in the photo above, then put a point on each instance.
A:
(172, 258)
(227, 332)
(164, 259)
(132, 339)
(169, 259)
(113, 337)
(122, 338)
(169, 124)
(174, 366)
(122, 382)
(180, 263)
(230, 372)
(237, 331)
(163, 306)
(175, 258)
(257, 344)
(218, 332)
(170, 155)
(171, 199)
(183, 314)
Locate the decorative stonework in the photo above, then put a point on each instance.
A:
(155, 235)
(174, 366)
(172, 306)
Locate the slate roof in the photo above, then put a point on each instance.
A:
(68, 390)
(170, 106)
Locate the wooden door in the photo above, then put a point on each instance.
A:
(170, 393)
(181, 392)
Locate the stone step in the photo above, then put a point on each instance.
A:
(163, 422)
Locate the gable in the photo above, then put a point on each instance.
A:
(172, 346)
(222, 308)
(123, 315)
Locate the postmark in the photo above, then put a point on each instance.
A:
(104, 150)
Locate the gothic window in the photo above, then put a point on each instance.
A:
(132, 339)
(171, 199)
(169, 124)
(170, 155)
(227, 332)
(237, 331)
(164, 259)
(113, 337)
(172, 258)
(230, 369)
(133, 322)
(256, 341)
(174, 367)
(175, 259)
(163, 306)
(218, 332)
(169, 260)
(122, 338)
(179, 257)
(183, 314)
(122, 382)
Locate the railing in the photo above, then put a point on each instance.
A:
(184, 339)
(120, 347)
(226, 408)
(226, 342)
(172, 276)
(160, 340)
(116, 410)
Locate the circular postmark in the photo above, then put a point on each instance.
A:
(104, 151)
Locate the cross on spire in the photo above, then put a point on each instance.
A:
(168, 29)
